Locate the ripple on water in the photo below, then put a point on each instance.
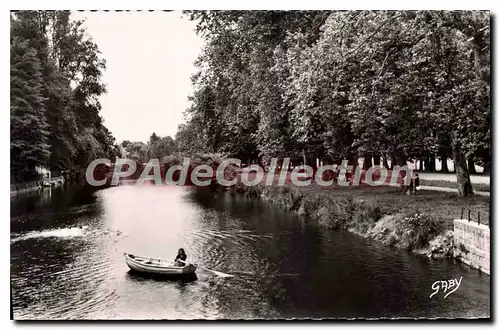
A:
(71, 293)
(214, 247)
(44, 291)
(60, 233)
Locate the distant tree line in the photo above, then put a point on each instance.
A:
(55, 77)
(156, 148)
(396, 85)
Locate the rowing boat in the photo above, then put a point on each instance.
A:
(156, 266)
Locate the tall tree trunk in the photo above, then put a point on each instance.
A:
(393, 162)
(470, 166)
(376, 159)
(444, 163)
(353, 160)
(463, 178)
(400, 159)
(260, 163)
(385, 163)
(313, 164)
(367, 161)
(432, 163)
(486, 165)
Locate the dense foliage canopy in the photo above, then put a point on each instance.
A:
(55, 87)
(403, 85)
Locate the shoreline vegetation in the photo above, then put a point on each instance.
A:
(421, 224)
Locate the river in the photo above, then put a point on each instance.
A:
(282, 266)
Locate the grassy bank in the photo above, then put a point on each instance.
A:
(420, 223)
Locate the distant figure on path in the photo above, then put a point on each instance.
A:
(180, 259)
(407, 184)
(403, 183)
(416, 184)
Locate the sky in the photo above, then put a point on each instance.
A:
(149, 61)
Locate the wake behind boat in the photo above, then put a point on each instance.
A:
(156, 266)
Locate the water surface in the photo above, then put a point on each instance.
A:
(283, 267)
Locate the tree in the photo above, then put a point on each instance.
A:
(29, 129)
(125, 143)
(70, 67)
(153, 138)
(138, 151)
(241, 92)
(161, 147)
(188, 138)
(333, 85)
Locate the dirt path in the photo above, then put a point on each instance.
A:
(451, 177)
(453, 190)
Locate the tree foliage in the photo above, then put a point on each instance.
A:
(28, 126)
(332, 85)
(65, 74)
(157, 147)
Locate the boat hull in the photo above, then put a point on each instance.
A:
(155, 266)
(140, 276)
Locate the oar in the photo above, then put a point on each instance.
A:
(210, 270)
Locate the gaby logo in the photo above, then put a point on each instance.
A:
(203, 175)
(448, 286)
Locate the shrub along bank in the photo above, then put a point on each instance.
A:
(421, 224)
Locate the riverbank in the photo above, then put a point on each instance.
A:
(16, 189)
(20, 188)
(422, 224)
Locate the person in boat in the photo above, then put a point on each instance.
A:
(180, 260)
